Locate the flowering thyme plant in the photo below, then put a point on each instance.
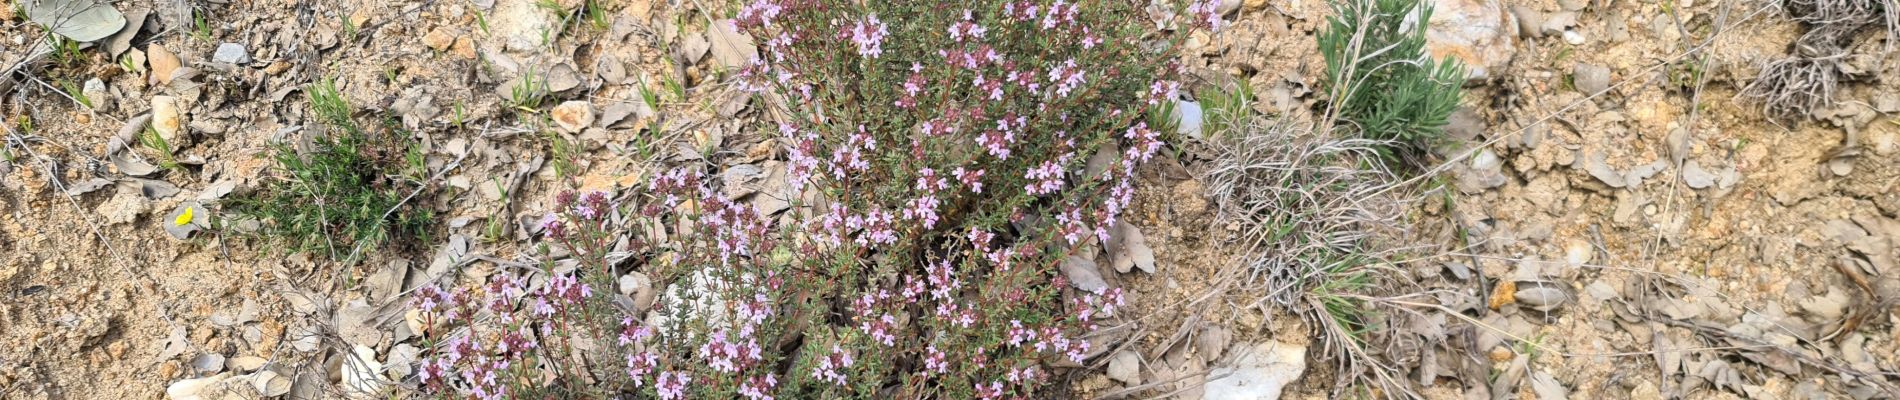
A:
(945, 158)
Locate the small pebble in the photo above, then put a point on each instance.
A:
(573, 115)
(1590, 79)
(1572, 37)
(231, 53)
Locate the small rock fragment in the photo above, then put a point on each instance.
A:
(270, 384)
(231, 53)
(1125, 367)
(191, 388)
(97, 96)
(1695, 176)
(573, 116)
(402, 359)
(1578, 252)
(1602, 171)
(1573, 38)
(245, 363)
(1559, 22)
(361, 370)
(562, 78)
(439, 39)
(208, 362)
(1480, 33)
(166, 118)
(1529, 21)
(1260, 371)
(163, 63)
(1590, 79)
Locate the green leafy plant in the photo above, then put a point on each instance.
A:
(941, 167)
(73, 89)
(528, 93)
(346, 193)
(201, 26)
(1380, 77)
(151, 140)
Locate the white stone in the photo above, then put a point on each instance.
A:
(362, 373)
(573, 116)
(1187, 118)
(1259, 371)
(1478, 32)
(189, 389)
(1572, 37)
(167, 119)
(231, 53)
(1578, 252)
(1125, 367)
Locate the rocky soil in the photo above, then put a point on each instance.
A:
(1612, 219)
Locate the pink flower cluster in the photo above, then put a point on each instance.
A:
(832, 367)
(868, 34)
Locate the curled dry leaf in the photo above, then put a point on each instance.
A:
(1128, 249)
(1540, 295)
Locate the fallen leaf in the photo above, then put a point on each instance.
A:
(79, 20)
(87, 187)
(1547, 387)
(1128, 248)
(1540, 295)
(121, 41)
(730, 47)
(1083, 274)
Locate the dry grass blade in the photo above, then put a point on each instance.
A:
(1310, 208)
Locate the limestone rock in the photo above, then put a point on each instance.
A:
(1477, 32)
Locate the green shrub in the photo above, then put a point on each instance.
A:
(1380, 77)
(346, 195)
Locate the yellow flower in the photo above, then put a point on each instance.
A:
(184, 218)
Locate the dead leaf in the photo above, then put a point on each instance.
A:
(692, 48)
(188, 218)
(730, 47)
(119, 42)
(1128, 248)
(87, 186)
(79, 20)
(1083, 275)
(1541, 295)
(152, 188)
(1547, 387)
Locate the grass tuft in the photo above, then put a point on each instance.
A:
(340, 194)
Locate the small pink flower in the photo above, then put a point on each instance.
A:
(672, 385)
(868, 34)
